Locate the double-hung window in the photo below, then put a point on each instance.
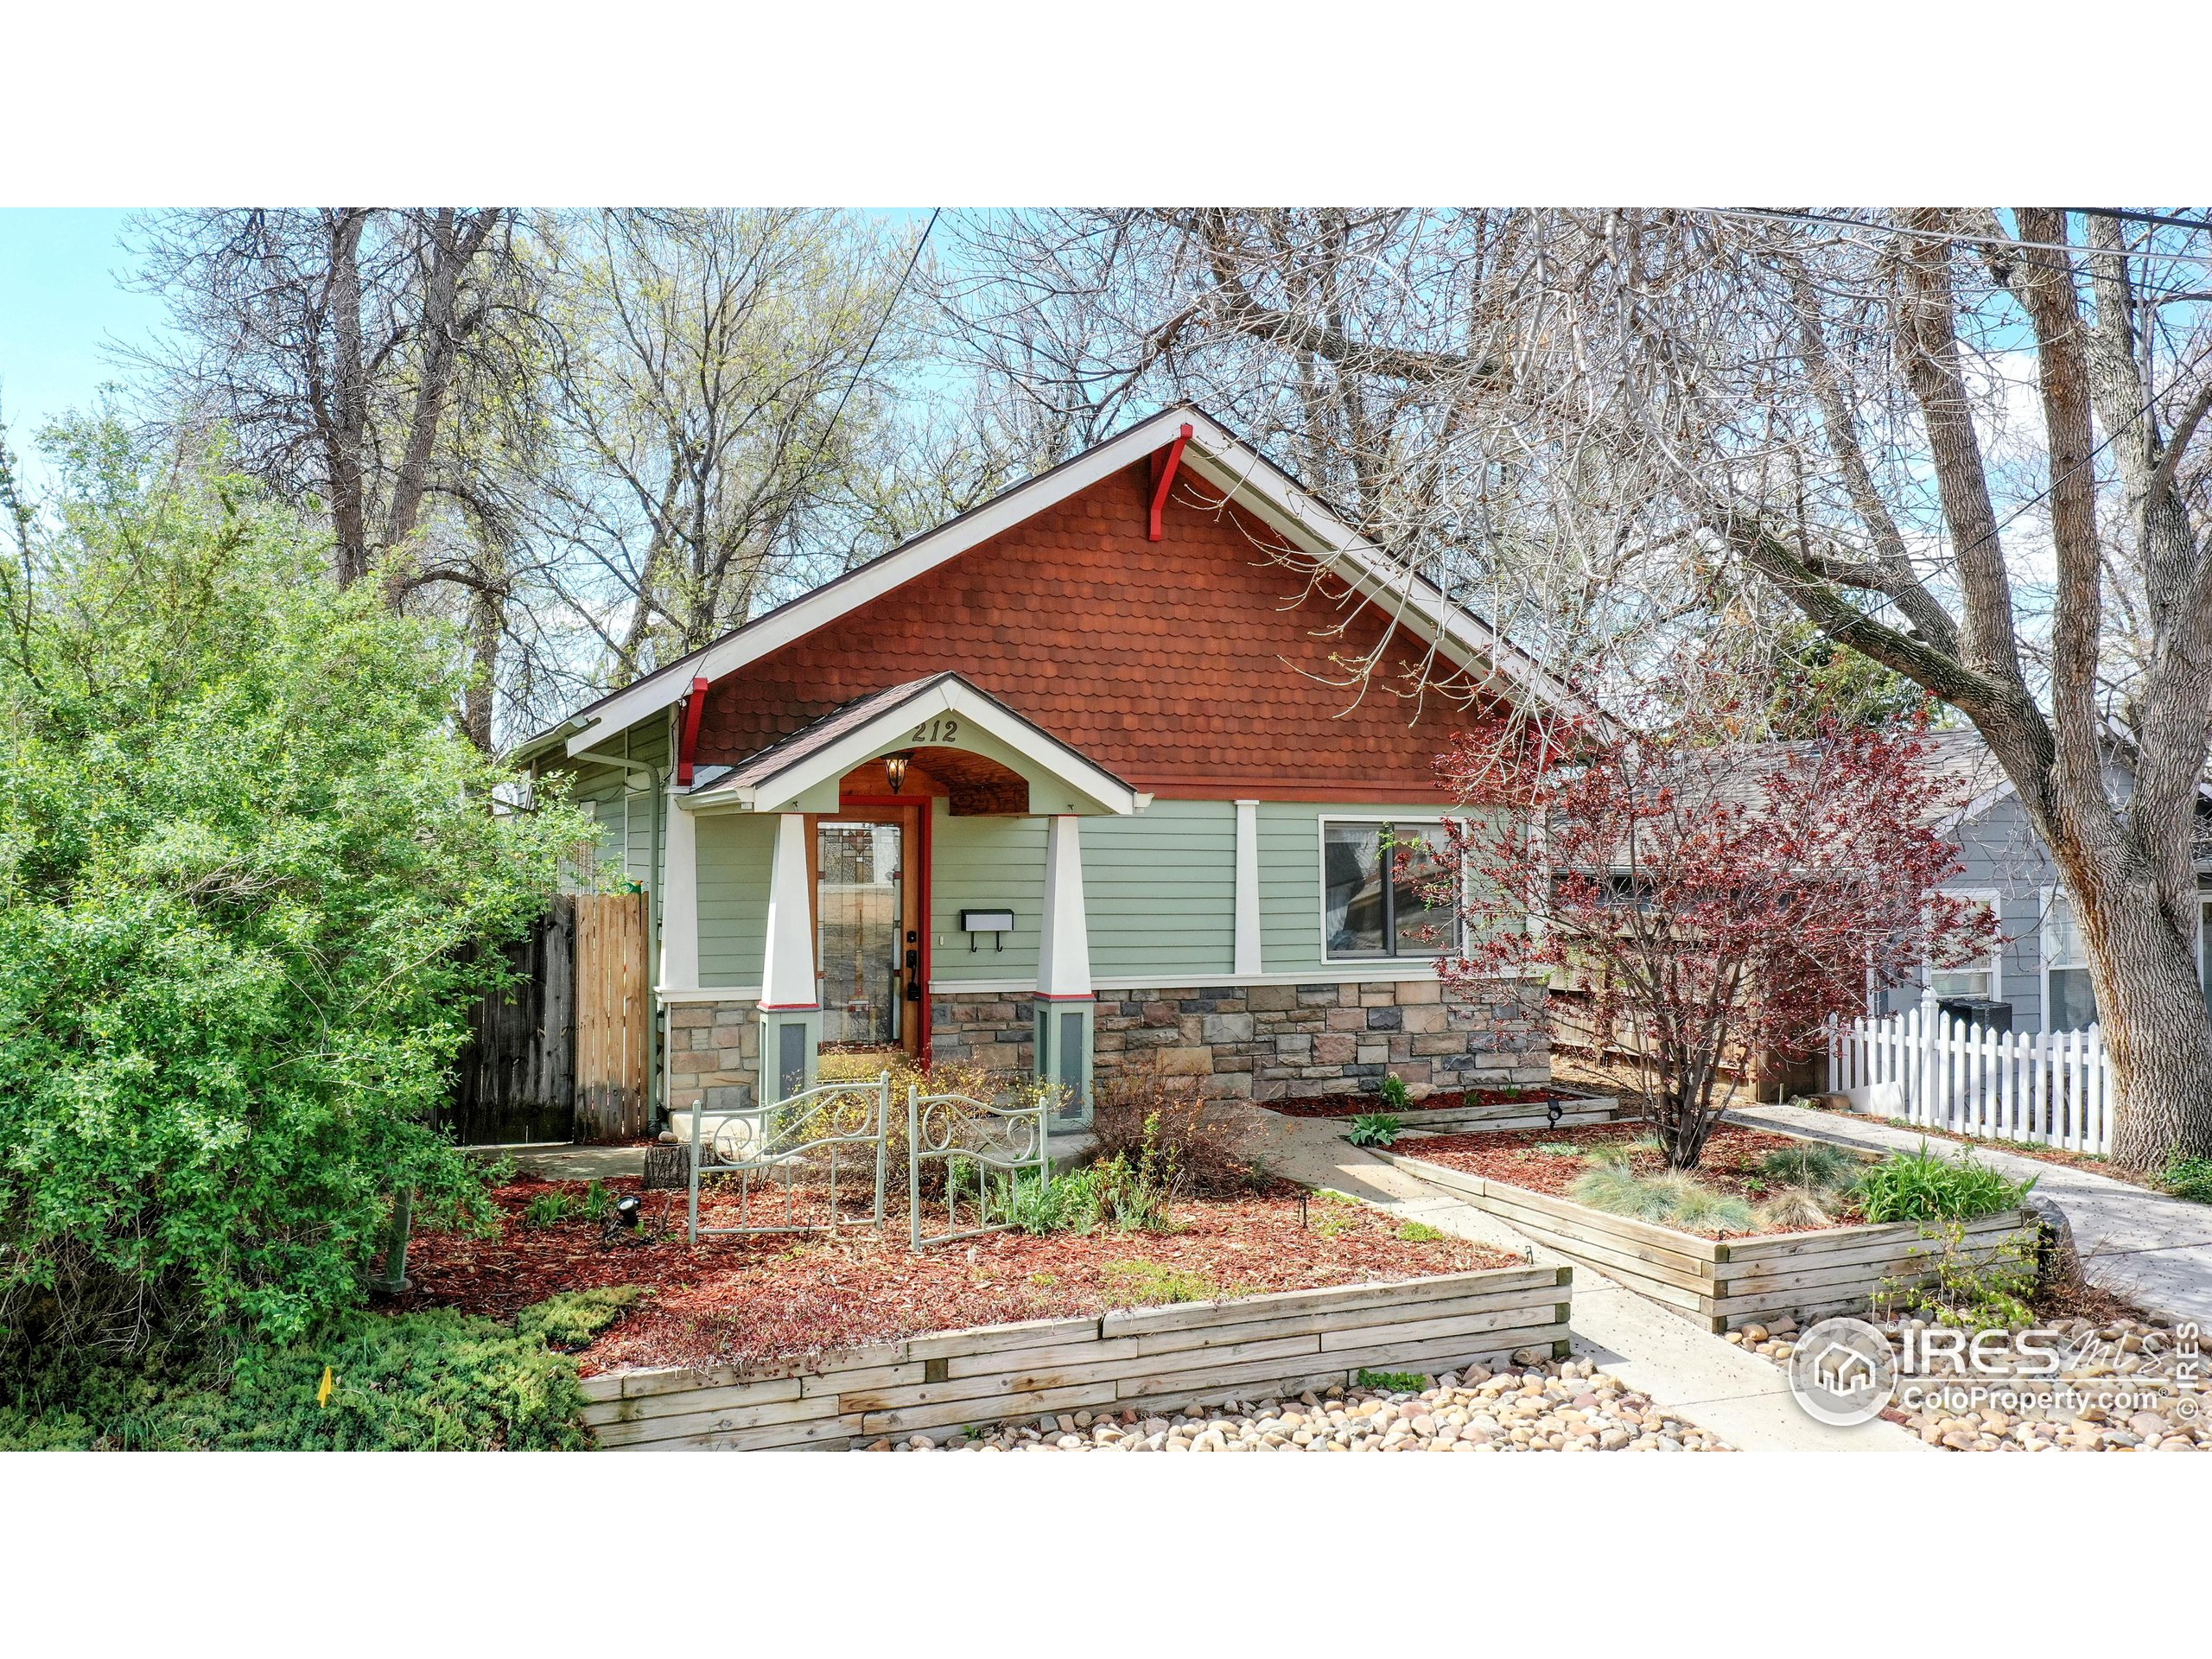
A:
(2069, 1003)
(1983, 976)
(1374, 874)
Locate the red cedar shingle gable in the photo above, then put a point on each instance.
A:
(1175, 665)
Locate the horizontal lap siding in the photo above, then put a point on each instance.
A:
(736, 853)
(1159, 890)
(622, 800)
(985, 863)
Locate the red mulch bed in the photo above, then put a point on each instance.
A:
(1353, 1105)
(1731, 1163)
(740, 1300)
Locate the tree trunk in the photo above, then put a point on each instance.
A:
(344, 435)
(487, 617)
(2150, 1009)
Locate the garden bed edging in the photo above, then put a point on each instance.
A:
(1726, 1281)
(1284, 1341)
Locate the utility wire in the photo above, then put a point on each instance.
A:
(897, 294)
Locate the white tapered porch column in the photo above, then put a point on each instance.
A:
(790, 1008)
(1247, 960)
(1065, 1007)
(679, 902)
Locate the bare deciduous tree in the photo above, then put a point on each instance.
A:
(1971, 451)
(329, 341)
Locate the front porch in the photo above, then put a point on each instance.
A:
(846, 816)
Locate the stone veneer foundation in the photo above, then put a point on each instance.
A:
(1281, 1042)
(714, 1054)
(1243, 1042)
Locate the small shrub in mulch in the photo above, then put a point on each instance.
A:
(739, 1298)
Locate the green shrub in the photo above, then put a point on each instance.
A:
(1374, 1130)
(1395, 1096)
(247, 876)
(1814, 1166)
(550, 1208)
(1975, 1290)
(1557, 1149)
(569, 1320)
(2188, 1177)
(429, 1380)
(1391, 1382)
(1419, 1232)
(1921, 1187)
(1117, 1192)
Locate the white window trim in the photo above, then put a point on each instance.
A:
(1995, 961)
(1322, 881)
(2050, 897)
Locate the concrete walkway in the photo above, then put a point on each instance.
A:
(1739, 1396)
(559, 1162)
(2143, 1246)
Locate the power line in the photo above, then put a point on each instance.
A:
(897, 294)
(2137, 216)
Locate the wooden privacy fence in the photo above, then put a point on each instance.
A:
(562, 1054)
(613, 1016)
(1925, 1067)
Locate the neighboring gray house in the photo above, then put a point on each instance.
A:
(2039, 972)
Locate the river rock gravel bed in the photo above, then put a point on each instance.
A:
(2156, 1364)
(1527, 1407)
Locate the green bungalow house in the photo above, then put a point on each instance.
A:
(1088, 776)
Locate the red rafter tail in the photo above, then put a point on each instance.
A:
(1166, 480)
(687, 745)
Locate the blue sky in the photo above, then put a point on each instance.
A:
(61, 303)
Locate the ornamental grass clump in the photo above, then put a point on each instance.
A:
(1668, 1200)
(1921, 1187)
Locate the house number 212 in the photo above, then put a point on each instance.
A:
(941, 730)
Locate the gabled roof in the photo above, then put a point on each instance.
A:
(1214, 454)
(858, 731)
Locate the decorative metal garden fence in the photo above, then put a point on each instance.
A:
(976, 1143)
(770, 1153)
(1923, 1066)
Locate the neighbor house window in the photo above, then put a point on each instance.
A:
(1372, 873)
(2068, 1002)
(1984, 977)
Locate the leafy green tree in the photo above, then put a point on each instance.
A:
(243, 857)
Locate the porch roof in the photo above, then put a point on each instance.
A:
(855, 732)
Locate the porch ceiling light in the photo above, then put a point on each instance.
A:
(894, 767)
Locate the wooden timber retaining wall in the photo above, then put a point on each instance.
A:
(1578, 1111)
(1291, 1339)
(1725, 1281)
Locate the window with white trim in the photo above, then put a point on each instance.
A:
(1372, 874)
(2069, 1001)
(1985, 976)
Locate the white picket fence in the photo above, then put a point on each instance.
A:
(1921, 1066)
